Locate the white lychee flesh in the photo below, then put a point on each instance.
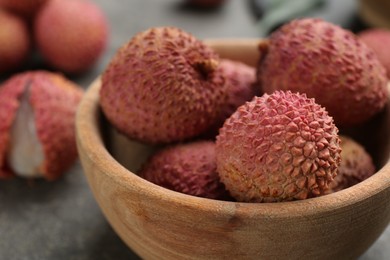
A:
(25, 154)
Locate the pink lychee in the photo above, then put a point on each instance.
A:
(14, 41)
(37, 135)
(187, 168)
(240, 80)
(71, 34)
(356, 165)
(327, 63)
(278, 147)
(163, 86)
(379, 41)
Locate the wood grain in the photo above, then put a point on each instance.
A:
(157, 223)
(375, 13)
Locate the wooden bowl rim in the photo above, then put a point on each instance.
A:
(89, 139)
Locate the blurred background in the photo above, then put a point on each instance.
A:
(60, 219)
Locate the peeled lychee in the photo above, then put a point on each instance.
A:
(187, 168)
(14, 41)
(71, 34)
(278, 147)
(356, 165)
(37, 136)
(163, 86)
(25, 8)
(379, 41)
(327, 63)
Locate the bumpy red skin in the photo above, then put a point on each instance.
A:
(356, 165)
(157, 90)
(327, 63)
(71, 34)
(187, 168)
(278, 147)
(379, 41)
(240, 80)
(14, 41)
(54, 100)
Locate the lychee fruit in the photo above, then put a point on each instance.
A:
(71, 35)
(14, 41)
(240, 80)
(37, 136)
(356, 165)
(187, 168)
(163, 86)
(278, 147)
(379, 41)
(24, 8)
(327, 63)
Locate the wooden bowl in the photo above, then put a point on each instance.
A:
(375, 13)
(157, 223)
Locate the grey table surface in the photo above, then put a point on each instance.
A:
(61, 220)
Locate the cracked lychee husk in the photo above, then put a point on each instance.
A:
(278, 147)
(327, 63)
(187, 168)
(37, 131)
(163, 86)
(356, 165)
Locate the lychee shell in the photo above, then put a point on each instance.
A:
(379, 41)
(327, 63)
(163, 86)
(71, 35)
(356, 165)
(278, 147)
(240, 81)
(14, 41)
(187, 168)
(54, 100)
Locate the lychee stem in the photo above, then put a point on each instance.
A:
(206, 67)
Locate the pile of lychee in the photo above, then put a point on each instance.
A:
(69, 35)
(37, 108)
(229, 131)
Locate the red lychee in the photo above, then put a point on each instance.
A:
(14, 41)
(356, 165)
(37, 135)
(278, 147)
(187, 168)
(163, 86)
(379, 41)
(328, 63)
(240, 80)
(71, 34)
